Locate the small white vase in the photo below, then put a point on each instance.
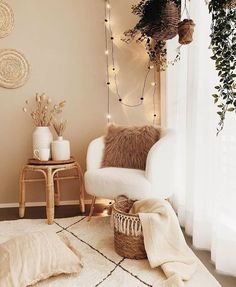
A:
(42, 138)
(60, 149)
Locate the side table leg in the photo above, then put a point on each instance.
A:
(22, 193)
(50, 196)
(81, 198)
(57, 190)
(81, 188)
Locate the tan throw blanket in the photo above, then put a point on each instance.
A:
(164, 241)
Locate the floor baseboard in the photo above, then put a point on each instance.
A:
(66, 202)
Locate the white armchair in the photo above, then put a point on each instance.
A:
(109, 182)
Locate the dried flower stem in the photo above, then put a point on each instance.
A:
(43, 115)
(59, 127)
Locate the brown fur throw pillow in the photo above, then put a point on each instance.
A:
(128, 146)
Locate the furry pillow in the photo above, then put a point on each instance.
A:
(128, 146)
(29, 258)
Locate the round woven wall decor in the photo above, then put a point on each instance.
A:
(14, 69)
(6, 19)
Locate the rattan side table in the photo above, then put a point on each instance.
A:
(51, 171)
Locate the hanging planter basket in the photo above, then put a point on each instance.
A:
(158, 23)
(230, 4)
(185, 31)
(168, 27)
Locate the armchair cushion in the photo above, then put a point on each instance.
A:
(110, 182)
(128, 147)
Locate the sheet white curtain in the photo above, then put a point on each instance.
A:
(205, 181)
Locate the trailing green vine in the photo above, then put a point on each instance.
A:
(223, 45)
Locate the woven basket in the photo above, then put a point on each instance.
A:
(169, 27)
(230, 4)
(185, 31)
(128, 235)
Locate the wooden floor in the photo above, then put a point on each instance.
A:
(40, 212)
(73, 210)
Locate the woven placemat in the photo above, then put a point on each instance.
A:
(6, 19)
(14, 69)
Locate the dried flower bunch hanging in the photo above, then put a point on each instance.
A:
(45, 112)
(59, 126)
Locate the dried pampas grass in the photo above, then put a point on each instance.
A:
(59, 127)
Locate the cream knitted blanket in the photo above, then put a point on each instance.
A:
(164, 241)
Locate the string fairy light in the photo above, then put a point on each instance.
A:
(108, 116)
(153, 99)
(110, 57)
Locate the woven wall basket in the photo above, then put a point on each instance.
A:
(14, 69)
(169, 28)
(128, 235)
(6, 19)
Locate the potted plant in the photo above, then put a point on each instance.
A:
(223, 45)
(158, 22)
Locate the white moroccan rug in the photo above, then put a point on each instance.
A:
(102, 266)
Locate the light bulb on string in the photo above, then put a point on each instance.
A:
(153, 84)
(105, 212)
(108, 6)
(151, 66)
(154, 119)
(108, 116)
(106, 52)
(106, 23)
(113, 69)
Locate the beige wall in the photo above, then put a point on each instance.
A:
(63, 41)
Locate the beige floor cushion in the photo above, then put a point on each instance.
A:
(29, 258)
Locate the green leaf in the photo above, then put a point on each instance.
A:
(223, 45)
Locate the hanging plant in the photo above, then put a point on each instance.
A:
(223, 45)
(158, 22)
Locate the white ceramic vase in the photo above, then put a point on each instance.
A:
(60, 149)
(42, 138)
